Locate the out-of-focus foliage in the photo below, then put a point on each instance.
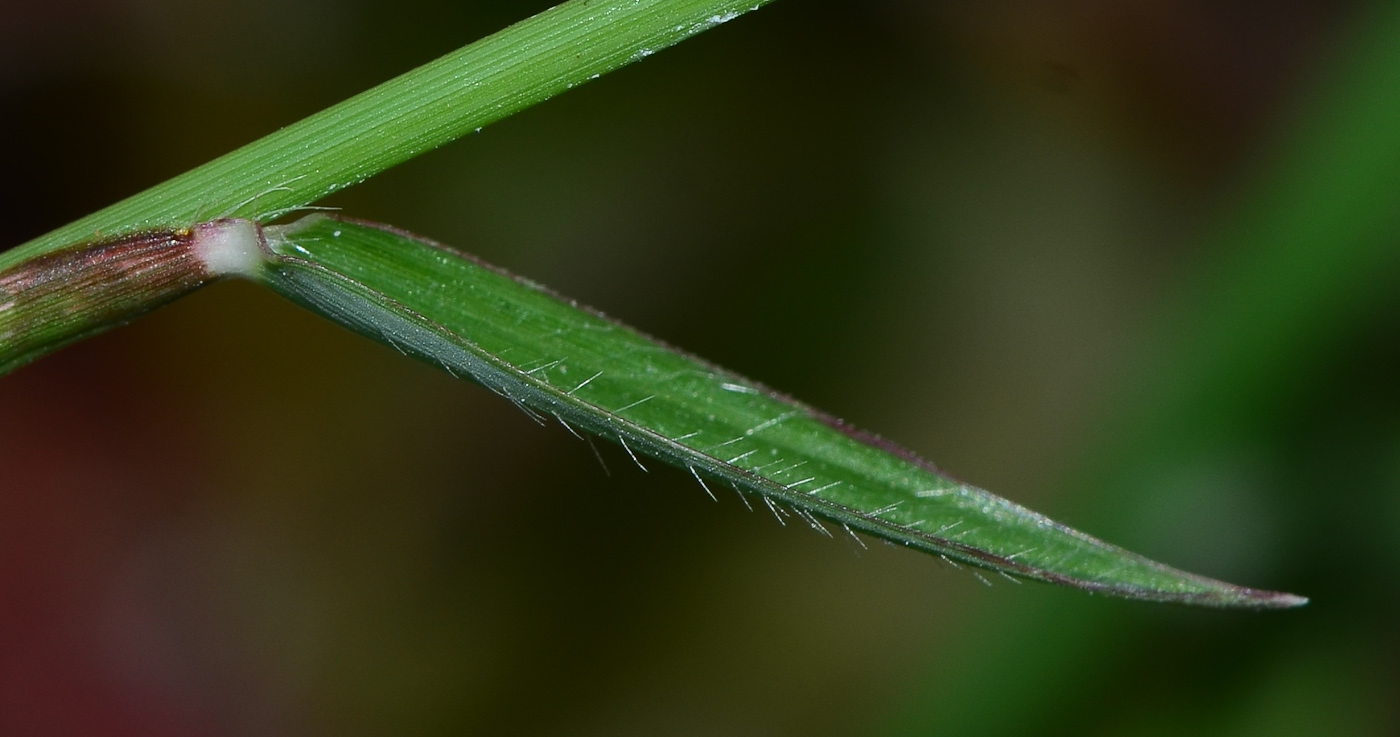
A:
(1015, 209)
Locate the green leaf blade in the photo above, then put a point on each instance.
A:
(479, 84)
(558, 360)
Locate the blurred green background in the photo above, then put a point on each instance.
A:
(1131, 264)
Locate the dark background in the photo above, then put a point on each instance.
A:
(1004, 234)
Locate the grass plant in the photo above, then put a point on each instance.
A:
(544, 353)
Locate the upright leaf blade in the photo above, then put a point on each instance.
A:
(480, 83)
(556, 359)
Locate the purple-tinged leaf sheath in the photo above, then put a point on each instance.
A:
(60, 297)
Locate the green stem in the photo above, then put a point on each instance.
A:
(434, 104)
